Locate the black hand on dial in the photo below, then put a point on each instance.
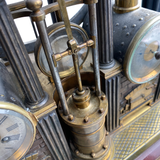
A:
(157, 55)
(10, 138)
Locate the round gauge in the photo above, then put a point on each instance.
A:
(137, 43)
(58, 39)
(17, 131)
(143, 65)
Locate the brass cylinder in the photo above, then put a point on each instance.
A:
(124, 6)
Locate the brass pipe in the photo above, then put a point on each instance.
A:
(124, 6)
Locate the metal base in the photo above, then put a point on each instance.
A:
(104, 154)
(131, 140)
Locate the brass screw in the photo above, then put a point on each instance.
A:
(101, 110)
(105, 146)
(77, 152)
(107, 133)
(103, 97)
(70, 117)
(93, 155)
(86, 119)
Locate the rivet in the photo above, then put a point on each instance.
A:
(70, 117)
(101, 110)
(141, 19)
(124, 27)
(122, 43)
(120, 52)
(105, 146)
(134, 25)
(127, 34)
(103, 97)
(93, 155)
(147, 14)
(107, 133)
(120, 59)
(13, 99)
(117, 24)
(77, 152)
(86, 24)
(86, 119)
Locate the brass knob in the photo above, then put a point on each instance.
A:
(34, 5)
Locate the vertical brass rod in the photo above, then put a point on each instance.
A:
(93, 28)
(48, 52)
(63, 9)
(76, 66)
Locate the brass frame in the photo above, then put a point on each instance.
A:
(23, 149)
(140, 34)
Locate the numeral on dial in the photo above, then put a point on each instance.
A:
(3, 119)
(14, 126)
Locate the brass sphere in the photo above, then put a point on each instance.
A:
(34, 4)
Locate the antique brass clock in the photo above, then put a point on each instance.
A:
(17, 131)
(136, 42)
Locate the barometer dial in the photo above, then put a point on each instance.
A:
(58, 39)
(140, 62)
(17, 131)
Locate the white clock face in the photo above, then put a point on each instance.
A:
(14, 129)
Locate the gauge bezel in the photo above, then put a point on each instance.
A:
(25, 146)
(131, 49)
(51, 29)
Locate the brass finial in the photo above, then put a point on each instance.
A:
(34, 5)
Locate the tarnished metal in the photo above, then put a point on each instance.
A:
(87, 126)
(123, 6)
(47, 48)
(105, 33)
(19, 60)
(125, 47)
(93, 28)
(52, 133)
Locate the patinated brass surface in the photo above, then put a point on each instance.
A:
(133, 139)
(124, 6)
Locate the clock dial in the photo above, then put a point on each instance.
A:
(13, 130)
(17, 132)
